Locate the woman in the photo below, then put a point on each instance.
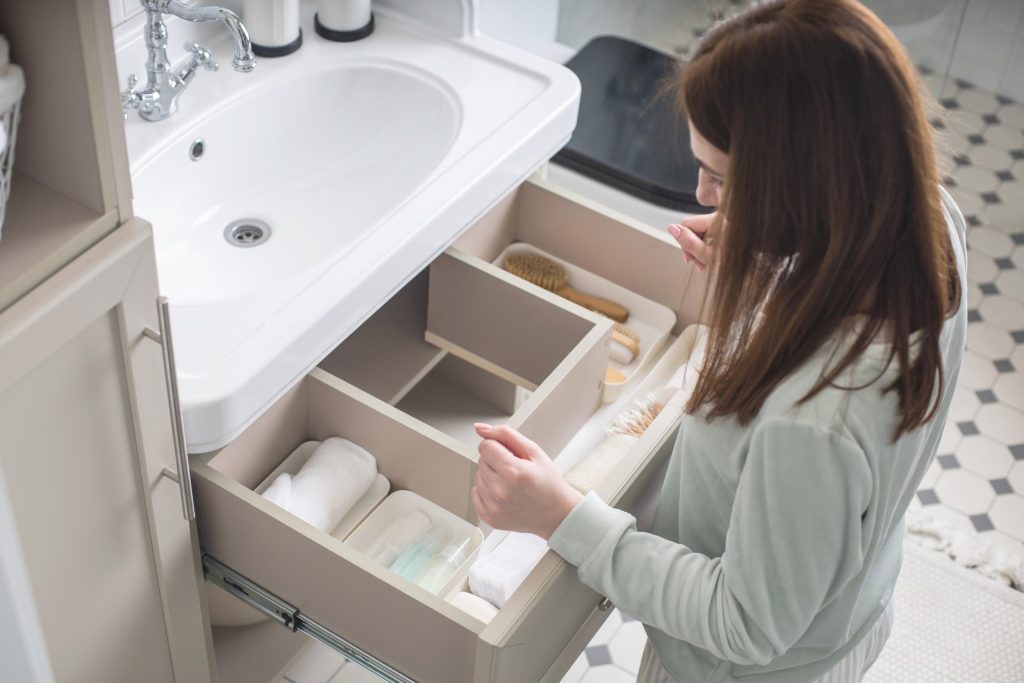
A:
(837, 331)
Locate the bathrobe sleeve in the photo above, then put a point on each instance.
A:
(794, 539)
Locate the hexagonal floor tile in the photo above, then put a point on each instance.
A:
(608, 628)
(1007, 515)
(1009, 216)
(965, 404)
(1012, 114)
(990, 241)
(577, 671)
(969, 202)
(1011, 283)
(1001, 540)
(950, 439)
(931, 475)
(1002, 423)
(1009, 389)
(985, 457)
(976, 179)
(977, 372)
(992, 157)
(979, 101)
(607, 674)
(988, 340)
(1007, 137)
(628, 645)
(1016, 477)
(980, 267)
(1017, 357)
(965, 491)
(1003, 311)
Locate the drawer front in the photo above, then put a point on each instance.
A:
(467, 311)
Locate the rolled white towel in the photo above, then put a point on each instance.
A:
(587, 474)
(322, 492)
(506, 559)
(472, 605)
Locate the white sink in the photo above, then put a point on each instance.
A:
(365, 160)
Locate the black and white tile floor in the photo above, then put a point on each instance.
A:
(977, 480)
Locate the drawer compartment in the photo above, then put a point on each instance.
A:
(465, 341)
(462, 341)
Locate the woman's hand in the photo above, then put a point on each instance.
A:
(692, 235)
(518, 487)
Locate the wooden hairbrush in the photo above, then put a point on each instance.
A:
(545, 273)
(625, 344)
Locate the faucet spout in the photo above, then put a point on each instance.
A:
(244, 60)
(165, 82)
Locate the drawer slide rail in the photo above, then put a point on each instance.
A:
(289, 617)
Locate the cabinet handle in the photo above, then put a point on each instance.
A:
(184, 478)
(605, 605)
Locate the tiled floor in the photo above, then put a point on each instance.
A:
(977, 480)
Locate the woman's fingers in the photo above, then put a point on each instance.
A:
(694, 248)
(516, 443)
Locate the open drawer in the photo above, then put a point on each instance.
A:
(462, 341)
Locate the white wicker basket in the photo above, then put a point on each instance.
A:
(12, 87)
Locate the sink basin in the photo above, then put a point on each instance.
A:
(289, 203)
(314, 168)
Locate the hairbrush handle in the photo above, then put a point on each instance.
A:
(596, 303)
(626, 341)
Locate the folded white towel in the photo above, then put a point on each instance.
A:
(472, 605)
(506, 559)
(336, 475)
(587, 474)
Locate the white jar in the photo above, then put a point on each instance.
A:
(273, 26)
(344, 20)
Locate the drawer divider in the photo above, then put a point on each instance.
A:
(289, 617)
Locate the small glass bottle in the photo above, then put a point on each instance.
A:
(398, 535)
(416, 555)
(443, 566)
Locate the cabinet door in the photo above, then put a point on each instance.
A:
(85, 454)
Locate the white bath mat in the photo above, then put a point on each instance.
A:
(953, 625)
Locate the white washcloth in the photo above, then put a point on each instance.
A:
(336, 475)
(506, 559)
(472, 605)
(587, 475)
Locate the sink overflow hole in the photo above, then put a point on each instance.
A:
(247, 232)
(196, 149)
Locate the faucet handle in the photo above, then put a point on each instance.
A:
(202, 56)
(129, 98)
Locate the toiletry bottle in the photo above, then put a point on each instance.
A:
(437, 572)
(422, 548)
(343, 20)
(273, 26)
(398, 535)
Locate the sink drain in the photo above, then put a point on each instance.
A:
(247, 232)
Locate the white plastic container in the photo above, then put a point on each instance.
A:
(12, 87)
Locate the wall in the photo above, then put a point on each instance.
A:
(990, 52)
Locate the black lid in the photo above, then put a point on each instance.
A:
(630, 134)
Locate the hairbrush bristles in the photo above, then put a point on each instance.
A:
(534, 268)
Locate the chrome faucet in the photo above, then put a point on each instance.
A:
(164, 82)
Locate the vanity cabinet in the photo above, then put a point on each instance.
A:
(487, 321)
(99, 577)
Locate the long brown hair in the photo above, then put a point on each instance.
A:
(831, 205)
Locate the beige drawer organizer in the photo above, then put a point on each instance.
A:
(525, 338)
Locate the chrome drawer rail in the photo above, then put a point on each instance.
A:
(288, 615)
